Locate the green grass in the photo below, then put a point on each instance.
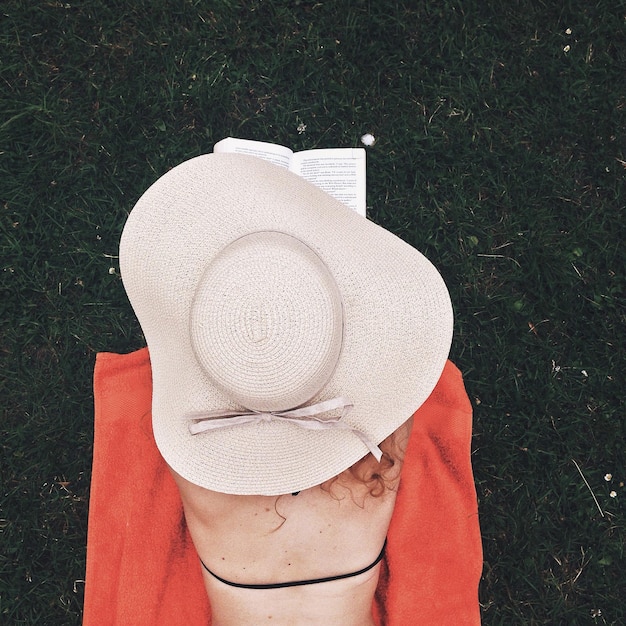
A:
(500, 154)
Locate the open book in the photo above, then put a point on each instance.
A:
(340, 172)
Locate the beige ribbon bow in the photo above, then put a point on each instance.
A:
(309, 417)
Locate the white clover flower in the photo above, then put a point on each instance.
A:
(368, 139)
(567, 49)
(568, 31)
(613, 494)
(608, 477)
(111, 270)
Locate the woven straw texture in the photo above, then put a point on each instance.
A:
(266, 322)
(379, 308)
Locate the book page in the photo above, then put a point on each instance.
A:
(279, 155)
(340, 172)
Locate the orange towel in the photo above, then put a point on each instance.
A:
(142, 569)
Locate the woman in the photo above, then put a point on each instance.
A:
(290, 341)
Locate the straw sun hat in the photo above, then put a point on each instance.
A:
(288, 335)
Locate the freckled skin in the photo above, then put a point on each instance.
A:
(260, 539)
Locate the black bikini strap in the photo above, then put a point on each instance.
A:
(297, 583)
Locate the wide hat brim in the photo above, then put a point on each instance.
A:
(397, 319)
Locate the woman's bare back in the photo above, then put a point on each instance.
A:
(317, 533)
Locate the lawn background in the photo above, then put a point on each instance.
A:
(500, 153)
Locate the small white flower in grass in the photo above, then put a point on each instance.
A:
(568, 31)
(613, 494)
(111, 270)
(301, 128)
(608, 477)
(368, 139)
(567, 49)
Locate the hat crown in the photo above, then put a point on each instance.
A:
(266, 322)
